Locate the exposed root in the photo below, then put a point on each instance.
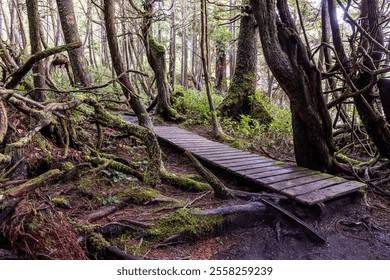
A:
(36, 231)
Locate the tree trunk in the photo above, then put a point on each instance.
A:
(38, 69)
(373, 122)
(300, 79)
(127, 87)
(232, 52)
(184, 46)
(205, 63)
(220, 66)
(241, 98)
(69, 28)
(156, 54)
(172, 47)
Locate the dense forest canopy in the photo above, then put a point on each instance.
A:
(83, 81)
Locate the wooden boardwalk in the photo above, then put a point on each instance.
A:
(304, 185)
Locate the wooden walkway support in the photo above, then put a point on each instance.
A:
(301, 184)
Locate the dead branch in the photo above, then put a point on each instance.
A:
(3, 121)
(19, 74)
(33, 184)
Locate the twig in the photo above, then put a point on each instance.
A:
(196, 199)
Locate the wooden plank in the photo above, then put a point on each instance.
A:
(251, 166)
(220, 152)
(229, 164)
(329, 192)
(300, 181)
(307, 188)
(286, 177)
(237, 159)
(183, 139)
(274, 173)
(214, 151)
(187, 141)
(260, 170)
(235, 156)
(203, 144)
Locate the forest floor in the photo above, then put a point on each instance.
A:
(55, 219)
(356, 227)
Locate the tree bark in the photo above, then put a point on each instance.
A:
(220, 66)
(127, 87)
(184, 46)
(70, 30)
(156, 56)
(300, 79)
(205, 64)
(373, 122)
(172, 47)
(35, 41)
(241, 98)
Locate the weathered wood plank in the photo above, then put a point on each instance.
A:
(252, 166)
(243, 163)
(311, 187)
(203, 144)
(219, 152)
(273, 173)
(260, 170)
(286, 177)
(235, 156)
(300, 181)
(216, 148)
(329, 192)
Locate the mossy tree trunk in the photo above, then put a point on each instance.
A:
(220, 66)
(241, 98)
(156, 55)
(287, 57)
(117, 62)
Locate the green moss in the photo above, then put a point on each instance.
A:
(156, 46)
(184, 222)
(85, 185)
(139, 194)
(67, 166)
(38, 180)
(98, 242)
(240, 144)
(184, 183)
(61, 202)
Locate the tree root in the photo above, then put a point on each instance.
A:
(100, 248)
(220, 191)
(118, 166)
(184, 183)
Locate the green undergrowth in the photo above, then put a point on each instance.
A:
(246, 130)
